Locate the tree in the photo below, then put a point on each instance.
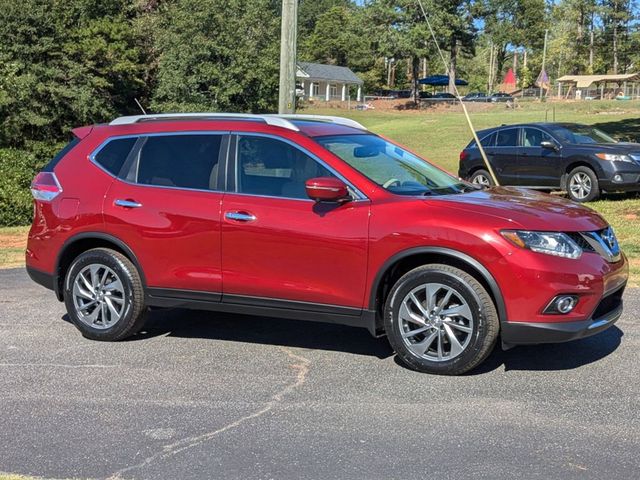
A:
(210, 58)
(63, 64)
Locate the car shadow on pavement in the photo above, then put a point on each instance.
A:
(553, 356)
(262, 330)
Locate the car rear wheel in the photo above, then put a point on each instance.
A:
(104, 295)
(582, 185)
(482, 178)
(439, 319)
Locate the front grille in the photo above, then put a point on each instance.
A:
(608, 303)
(581, 242)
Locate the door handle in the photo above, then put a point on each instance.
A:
(240, 216)
(127, 203)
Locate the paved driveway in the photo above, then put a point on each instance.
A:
(203, 395)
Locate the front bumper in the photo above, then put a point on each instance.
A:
(606, 314)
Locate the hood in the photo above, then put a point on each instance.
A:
(526, 209)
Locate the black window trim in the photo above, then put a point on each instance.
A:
(233, 168)
(133, 157)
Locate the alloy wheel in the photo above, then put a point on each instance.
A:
(436, 323)
(481, 180)
(580, 185)
(98, 296)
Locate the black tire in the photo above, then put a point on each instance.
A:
(130, 300)
(483, 178)
(587, 178)
(483, 330)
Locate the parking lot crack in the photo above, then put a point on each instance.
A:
(299, 364)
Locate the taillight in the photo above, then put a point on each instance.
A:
(45, 186)
(463, 154)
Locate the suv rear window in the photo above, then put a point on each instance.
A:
(112, 156)
(184, 161)
(507, 138)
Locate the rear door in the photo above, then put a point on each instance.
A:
(280, 248)
(539, 167)
(166, 208)
(504, 156)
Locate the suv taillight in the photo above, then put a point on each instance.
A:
(463, 154)
(45, 186)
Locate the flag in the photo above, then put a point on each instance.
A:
(543, 80)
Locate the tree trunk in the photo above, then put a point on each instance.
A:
(415, 70)
(452, 66)
(591, 47)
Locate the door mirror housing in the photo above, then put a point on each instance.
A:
(327, 189)
(549, 145)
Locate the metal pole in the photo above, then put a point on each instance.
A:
(288, 34)
(544, 57)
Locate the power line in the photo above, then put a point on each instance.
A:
(455, 88)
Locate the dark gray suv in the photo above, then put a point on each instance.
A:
(579, 159)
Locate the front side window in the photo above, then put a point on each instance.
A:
(271, 167)
(532, 137)
(507, 138)
(390, 166)
(113, 155)
(183, 161)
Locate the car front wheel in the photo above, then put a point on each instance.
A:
(104, 295)
(439, 319)
(582, 185)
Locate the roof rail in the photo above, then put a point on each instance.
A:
(273, 119)
(347, 122)
(268, 119)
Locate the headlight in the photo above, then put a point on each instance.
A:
(552, 243)
(614, 157)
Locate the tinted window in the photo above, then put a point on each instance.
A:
(113, 155)
(532, 137)
(185, 161)
(507, 138)
(267, 166)
(489, 140)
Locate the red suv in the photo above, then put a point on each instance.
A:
(313, 218)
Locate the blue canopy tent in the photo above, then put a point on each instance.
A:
(440, 81)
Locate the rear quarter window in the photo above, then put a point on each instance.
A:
(112, 156)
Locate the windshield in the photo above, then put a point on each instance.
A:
(580, 134)
(391, 167)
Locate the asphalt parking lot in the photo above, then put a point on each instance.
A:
(202, 396)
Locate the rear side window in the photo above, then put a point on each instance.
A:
(184, 161)
(60, 155)
(112, 156)
(507, 138)
(486, 141)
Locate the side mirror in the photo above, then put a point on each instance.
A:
(326, 189)
(549, 145)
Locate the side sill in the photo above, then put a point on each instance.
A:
(259, 306)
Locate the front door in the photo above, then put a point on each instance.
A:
(539, 167)
(278, 246)
(166, 208)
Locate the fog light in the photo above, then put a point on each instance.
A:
(562, 304)
(617, 178)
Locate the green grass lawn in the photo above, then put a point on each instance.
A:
(440, 136)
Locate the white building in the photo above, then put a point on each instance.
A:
(327, 82)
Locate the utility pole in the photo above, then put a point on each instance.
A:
(544, 56)
(288, 37)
